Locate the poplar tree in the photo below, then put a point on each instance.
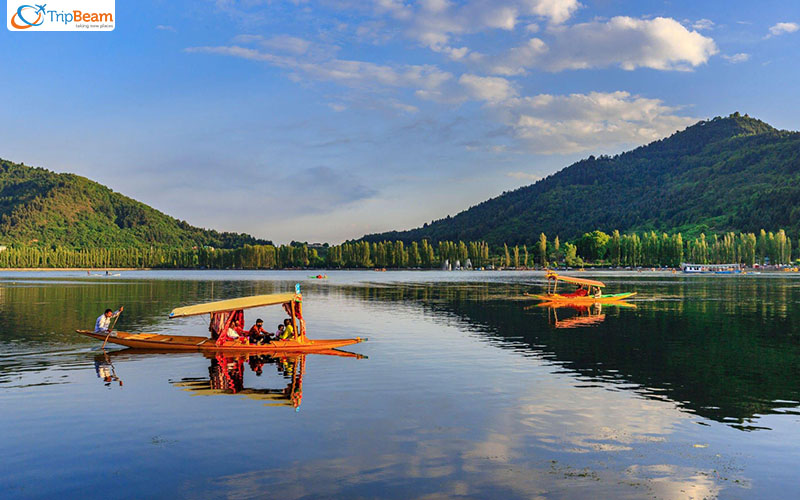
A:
(543, 249)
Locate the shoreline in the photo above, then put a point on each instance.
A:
(586, 269)
(84, 269)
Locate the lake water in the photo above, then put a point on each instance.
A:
(468, 390)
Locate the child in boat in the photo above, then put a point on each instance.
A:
(279, 333)
(288, 329)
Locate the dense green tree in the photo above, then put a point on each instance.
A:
(571, 255)
(593, 245)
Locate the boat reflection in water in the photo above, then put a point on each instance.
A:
(564, 315)
(105, 369)
(227, 370)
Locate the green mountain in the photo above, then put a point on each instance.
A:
(44, 208)
(726, 174)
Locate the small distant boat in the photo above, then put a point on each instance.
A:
(319, 277)
(223, 314)
(588, 292)
(107, 273)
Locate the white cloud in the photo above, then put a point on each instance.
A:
(782, 28)
(290, 45)
(660, 43)
(524, 176)
(354, 74)
(737, 58)
(544, 123)
(166, 27)
(703, 24)
(286, 43)
(434, 23)
(519, 58)
(584, 122)
(487, 88)
(401, 106)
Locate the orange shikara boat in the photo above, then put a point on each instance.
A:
(224, 315)
(588, 292)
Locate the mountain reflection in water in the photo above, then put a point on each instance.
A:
(726, 349)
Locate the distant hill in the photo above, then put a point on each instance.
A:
(44, 208)
(726, 174)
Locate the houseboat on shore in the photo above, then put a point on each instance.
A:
(711, 268)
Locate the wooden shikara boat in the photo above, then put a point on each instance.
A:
(190, 343)
(224, 314)
(591, 290)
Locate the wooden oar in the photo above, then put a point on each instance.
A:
(110, 328)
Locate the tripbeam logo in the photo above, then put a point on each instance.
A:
(61, 15)
(37, 13)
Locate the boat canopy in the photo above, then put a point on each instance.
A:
(234, 304)
(575, 281)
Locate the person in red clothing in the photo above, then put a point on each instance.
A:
(580, 292)
(257, 333)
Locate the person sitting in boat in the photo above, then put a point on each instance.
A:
(279, 332)
(580, 292)
(597, 293)
(257, 333)
(104, 320)
(234, 331)
(288, 329)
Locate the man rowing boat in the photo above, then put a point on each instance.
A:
(104, 320)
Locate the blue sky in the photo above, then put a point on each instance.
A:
(323, 121)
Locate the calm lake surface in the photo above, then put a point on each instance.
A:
(468, 390)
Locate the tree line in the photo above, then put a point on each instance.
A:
(594, 248)
(245, 257)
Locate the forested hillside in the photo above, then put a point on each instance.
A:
(726, 174)
(40, 208)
